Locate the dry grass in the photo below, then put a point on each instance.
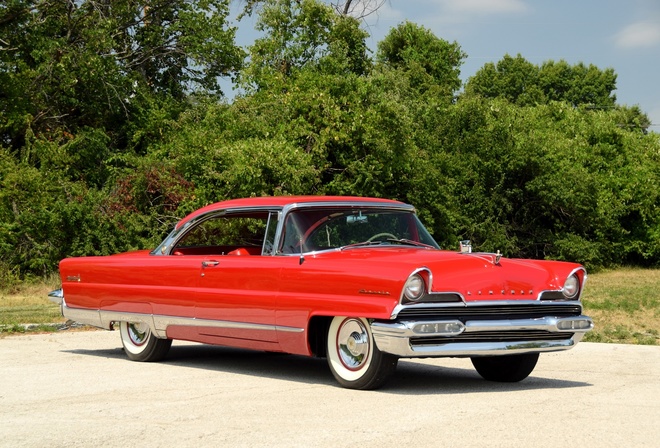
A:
(624, 303)
(28, 304)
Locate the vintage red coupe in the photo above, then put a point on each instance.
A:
(359, 281)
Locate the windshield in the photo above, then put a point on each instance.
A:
(316, 229)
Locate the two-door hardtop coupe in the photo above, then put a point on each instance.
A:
(359, 281)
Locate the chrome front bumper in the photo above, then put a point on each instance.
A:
(415, 339)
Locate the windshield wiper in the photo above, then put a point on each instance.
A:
(410, 242)
(361, 244)
(390, 240)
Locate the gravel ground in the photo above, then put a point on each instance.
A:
(77, 389)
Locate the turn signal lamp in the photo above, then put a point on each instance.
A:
(575, 324)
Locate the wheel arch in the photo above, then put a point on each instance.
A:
(317, 335)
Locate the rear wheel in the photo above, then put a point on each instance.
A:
(140, 344)
(353, 357)
(507, 369)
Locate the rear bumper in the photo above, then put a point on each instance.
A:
(480, 337)
(56, 296)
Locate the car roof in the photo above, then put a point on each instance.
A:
(281, 202)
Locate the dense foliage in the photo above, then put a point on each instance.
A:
(113, 126)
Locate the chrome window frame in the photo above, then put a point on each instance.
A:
(282, 213)
(287, 209)
(165, 248)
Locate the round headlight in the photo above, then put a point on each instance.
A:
(414, 288)
(571, 287)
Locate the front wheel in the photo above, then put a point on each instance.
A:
(353, 357)
(507, 369)
(140, 344)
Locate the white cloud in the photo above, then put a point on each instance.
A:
(639, 35)
(388, 13)
(446, 11)
(484, 6)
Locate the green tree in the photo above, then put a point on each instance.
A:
(523, 83)
(302, 35)
(86, 87)
(512, 78)
(70, 65)
(426, 59)
(578, 84)
(549, 181)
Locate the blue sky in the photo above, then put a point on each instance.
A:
(619, 34)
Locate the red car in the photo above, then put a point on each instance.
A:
(359, 281)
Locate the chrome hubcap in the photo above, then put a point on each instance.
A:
(138, 332)
(353, 344)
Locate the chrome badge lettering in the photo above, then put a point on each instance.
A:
(377, 293)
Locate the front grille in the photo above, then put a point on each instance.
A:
(493, 336)
(490, 312)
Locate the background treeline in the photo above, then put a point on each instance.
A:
(113, 125)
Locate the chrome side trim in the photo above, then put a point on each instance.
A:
(159, 323)
(84, 316)
(395, 338)
(162, 322)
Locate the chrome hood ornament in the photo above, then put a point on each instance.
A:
(466, 248)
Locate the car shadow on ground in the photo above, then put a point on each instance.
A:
(416, 378)
(250, 362)
(410, 378)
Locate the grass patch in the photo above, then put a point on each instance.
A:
(625, 306)
(624, 303)
(26, 308)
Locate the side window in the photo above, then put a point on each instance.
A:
(233, 234)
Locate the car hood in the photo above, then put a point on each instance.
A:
(476, 276)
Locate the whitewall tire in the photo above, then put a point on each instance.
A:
(353, 357)
(140, 344)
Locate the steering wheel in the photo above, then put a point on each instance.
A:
(378, 235)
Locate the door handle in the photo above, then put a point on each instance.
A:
(210, 263)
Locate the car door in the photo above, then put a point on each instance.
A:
(235, 297)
